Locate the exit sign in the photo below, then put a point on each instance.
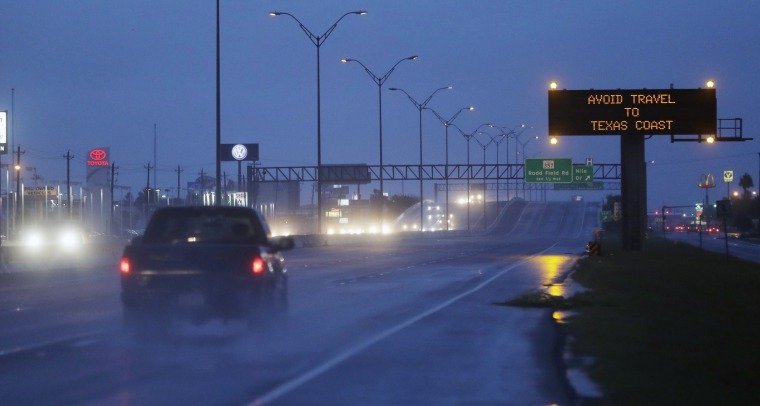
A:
(583, 174)
(548, 170)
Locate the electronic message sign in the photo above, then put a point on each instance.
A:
(639, 111)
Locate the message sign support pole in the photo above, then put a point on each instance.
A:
(634, 190)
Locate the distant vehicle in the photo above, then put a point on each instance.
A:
(61, 236)
(199, 263)
(53, 243)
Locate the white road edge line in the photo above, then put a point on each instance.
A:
(38, 346)
(307, 376)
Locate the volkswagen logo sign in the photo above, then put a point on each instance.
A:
(239, 152)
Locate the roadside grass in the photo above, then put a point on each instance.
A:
(668, 325)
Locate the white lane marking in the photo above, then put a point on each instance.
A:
(292, 384)
(78, 340)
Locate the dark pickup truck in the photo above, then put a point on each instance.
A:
(204, 262)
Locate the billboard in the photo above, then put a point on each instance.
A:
(98, 167)
(638, 111)
(239, 152)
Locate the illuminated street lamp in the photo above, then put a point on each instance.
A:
(318, 40)
(380, 80)
(420, 107)
(446, 124)
(553, 141)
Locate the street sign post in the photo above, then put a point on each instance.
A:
(548, 170)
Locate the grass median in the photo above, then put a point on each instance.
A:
(668, 325)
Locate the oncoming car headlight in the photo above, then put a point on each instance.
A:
(69, 239)
(34, 240)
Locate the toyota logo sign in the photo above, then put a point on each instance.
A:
(98, 157)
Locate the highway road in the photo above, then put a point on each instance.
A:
(405, 319)
(737, 248)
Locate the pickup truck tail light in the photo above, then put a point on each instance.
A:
(258, 265)
(124, 266)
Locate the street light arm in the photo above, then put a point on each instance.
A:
(379, 80)
(484, 146)
(451, 120)
(470, 135)
(332, 27)
(317, 40)
(465, 135)
(385, 77)
(498, 139)
(418, 105)
(366, 69)
(441, 119)
(313, 38)
(423, 104)
(515, 132)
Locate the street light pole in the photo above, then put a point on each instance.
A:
(380, 80)
(446, 124)
(507, 132)
(484, 146)
(420, 107)
(523, 144)
(218, 190)
(318, 40)
(469, 168)
(497, 140)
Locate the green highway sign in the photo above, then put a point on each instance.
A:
(605, 216)
(583, 173)
(548, 170)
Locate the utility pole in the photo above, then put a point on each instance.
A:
(179, 171)
(155, 160)
(68, 157)
(147, 184)
(18, 186)
(224, 185)
(113, 181)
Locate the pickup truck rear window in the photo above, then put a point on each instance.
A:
(204, 226)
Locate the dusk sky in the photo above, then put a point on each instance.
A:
(100, 73)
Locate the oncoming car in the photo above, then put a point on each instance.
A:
(54, 242)
(203, 262)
